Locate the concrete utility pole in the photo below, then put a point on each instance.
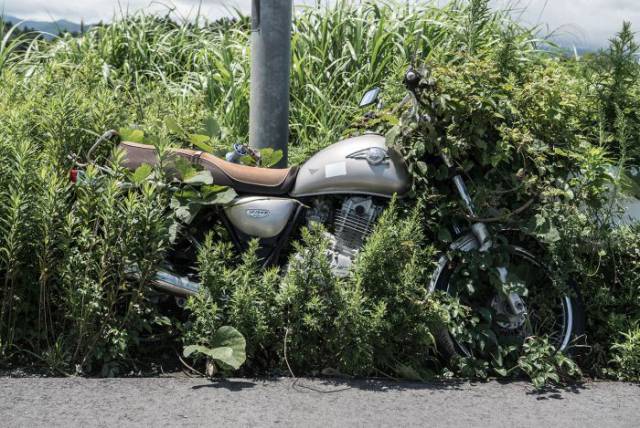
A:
(270, 72)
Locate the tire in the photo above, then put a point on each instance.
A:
(449, 348)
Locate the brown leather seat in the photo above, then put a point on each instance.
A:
(242, 178)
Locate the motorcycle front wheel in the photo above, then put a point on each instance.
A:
(552, 310)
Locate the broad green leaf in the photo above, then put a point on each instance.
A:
(224, 354)
(200, 141)
(133, 135)
(248, 160)
(228, 336)
(221, 198)
(392, 136)
(214, 188)
(152, 140)
(270, 157)
(185, 194)
(198, 177)
(142, 173)
(501, 371)
(184, 168)
(174, 230)
(188, 350)
(211, 127)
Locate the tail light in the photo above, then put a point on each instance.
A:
(73, 175)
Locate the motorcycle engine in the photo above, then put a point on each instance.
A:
(349, 222)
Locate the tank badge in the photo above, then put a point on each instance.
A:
(258, 213)
(373, 155)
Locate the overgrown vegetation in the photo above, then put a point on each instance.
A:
(528, 126)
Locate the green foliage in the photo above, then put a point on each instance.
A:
(534, 133)
(238, 293)
(330, 323)
(228, 348)
(544, 365)
(66, 270)
(373, 321)
(626, 357)
(109, 233)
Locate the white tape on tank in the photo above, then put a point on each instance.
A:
(335, 169)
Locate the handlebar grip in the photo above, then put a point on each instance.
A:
(107, 136)
(412, 78)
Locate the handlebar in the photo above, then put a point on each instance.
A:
(240, 150)
(104, 137)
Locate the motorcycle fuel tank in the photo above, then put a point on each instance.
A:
(358, 165)
(259, 216)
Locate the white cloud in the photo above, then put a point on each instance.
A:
(105, 10)
(583, 21)
(590, 22)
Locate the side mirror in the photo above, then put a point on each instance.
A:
(370, 97)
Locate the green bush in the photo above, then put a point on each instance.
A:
(378, 320)
(626, 357)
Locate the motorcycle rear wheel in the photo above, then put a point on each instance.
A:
(569, 299)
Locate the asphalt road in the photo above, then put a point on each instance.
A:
(70, 402)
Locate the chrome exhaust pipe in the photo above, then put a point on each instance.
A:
(174, 284)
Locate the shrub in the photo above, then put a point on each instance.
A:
(626, 357)
(379, 319)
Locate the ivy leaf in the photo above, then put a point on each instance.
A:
(486, 314)
(444, 235)
(187, 212)
(270, 157)
(142, 173)
(174, 229)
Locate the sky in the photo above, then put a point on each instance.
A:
(581, 22)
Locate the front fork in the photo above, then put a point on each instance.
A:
(483, 237)
(479, 229)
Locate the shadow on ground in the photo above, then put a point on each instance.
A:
(334, 385)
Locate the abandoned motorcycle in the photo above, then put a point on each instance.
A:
(345, 187)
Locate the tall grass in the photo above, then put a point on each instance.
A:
(338, 52)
